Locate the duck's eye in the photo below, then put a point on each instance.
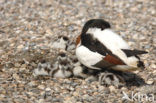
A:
(65, 38)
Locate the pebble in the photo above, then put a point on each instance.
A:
(56, 100)
(41, 101)
(76, 94)
(48, 89)
(101, 88)
(20, 47)
(79, 102)
(49, 32)
(150, 81)
(32, 83)
(154, 72)
(136, 72)
(123, 89)
(153, 66)
(22, 69)
(42, 87)
(23, 66)
(15, 76)
(112, 88)
(17, 65)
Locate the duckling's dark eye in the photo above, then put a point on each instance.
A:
(62, 54)
(75, 60)
(65, 38)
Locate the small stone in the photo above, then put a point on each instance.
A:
(69, 100)
(154, 72)
(15, 76)
(56, 100)
(32, 83)
(101, 88)
(153, 12)
(136, 72)
(17, 65)
(75, 94)
(78, 102)
(23, 65)
(147, 46)
(153, 66)
(33, 64)
(112, 88)
(86, 96)
(22, 69)
(30, 93)
(123, 89)
(41, 101)
(49, 32)
(42, 87)
(48, 89)
(95, 93)
(20, 47)
(150, 81)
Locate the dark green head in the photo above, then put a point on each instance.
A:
(95, 23)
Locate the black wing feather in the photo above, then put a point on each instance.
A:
(94, 45)
(133, 52)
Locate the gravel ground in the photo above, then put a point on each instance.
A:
(28, 29)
